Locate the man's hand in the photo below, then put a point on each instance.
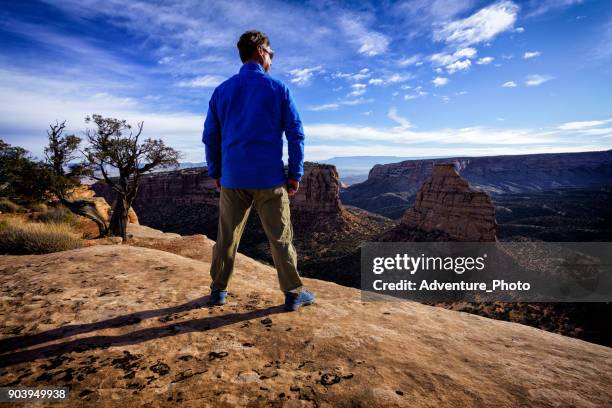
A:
(218, 184)
(292, 186)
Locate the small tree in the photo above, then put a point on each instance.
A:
(109, 147)
(22, 177)
(59, 153)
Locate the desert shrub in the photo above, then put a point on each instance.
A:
(38, 207)
(7, 206)
(59, 215)
(20, 237)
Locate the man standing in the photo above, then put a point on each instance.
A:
(243, 138)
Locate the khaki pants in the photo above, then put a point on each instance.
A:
(272, 205)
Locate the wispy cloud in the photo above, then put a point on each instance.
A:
(485, 60)
(204, 81)
(402, 121)
(302, 76)
(582, 125)
(539, 7)
(31, 102)
(531, 54)
(356, 76)
(482, 26)
(463, 65)
(460, 60)
(369, 42)
(509, 84)
(336, 105)
(439, 81)
(412, 60)
(536, 79)
(390, 79)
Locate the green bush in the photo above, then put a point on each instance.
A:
(20, 238)
(7, 206)
(60, 215)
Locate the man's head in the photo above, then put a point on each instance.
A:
(254, 46)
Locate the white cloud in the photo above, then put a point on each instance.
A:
(336, 105)
(536, 79)
(358, 76)
(370, 42)
(417, 94)
(442, 59)
(484, 60)
(583, 125)
(302, 76)
(402, 121)
(413, 60)
(509, 84)
(358, 89)
(482, 26)
(531, 54)
(356, 92)
(31, 102)
(468, 52)
(204, 81)
(439, 81)
(519, 30)
(463, 65)
(326, 106)
(544, 6)
(358, 101)
(458, 61)
(390, 79)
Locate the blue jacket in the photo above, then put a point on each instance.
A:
(243, 131)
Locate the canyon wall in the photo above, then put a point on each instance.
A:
(186, 201)
(391, 188)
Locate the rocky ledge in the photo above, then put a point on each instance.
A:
(123, 326)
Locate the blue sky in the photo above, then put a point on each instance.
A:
(407, 78)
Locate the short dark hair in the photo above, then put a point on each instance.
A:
(248, 43)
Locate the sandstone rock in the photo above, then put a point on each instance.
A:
(319, 189)
(445, 202)
(87, 193)
(493, 174)
(123, 326)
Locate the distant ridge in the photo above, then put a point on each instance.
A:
(390, 188)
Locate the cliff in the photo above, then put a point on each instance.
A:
(319, 190)
(122, 326)
(185, 201)
(446, 202)
(391, 188)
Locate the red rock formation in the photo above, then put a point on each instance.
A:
(319, 189)
(445, 202)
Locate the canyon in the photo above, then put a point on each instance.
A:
(391, 188)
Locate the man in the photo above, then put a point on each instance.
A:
(247, 115)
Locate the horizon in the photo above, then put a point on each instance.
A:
(443, 78)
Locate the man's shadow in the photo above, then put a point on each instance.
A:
(94, 342)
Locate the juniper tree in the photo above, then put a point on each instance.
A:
(113, 144)
(60, 154)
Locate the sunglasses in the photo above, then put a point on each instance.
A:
(268, 50)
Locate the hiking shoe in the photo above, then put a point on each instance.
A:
(217, 297)
(293, 302)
